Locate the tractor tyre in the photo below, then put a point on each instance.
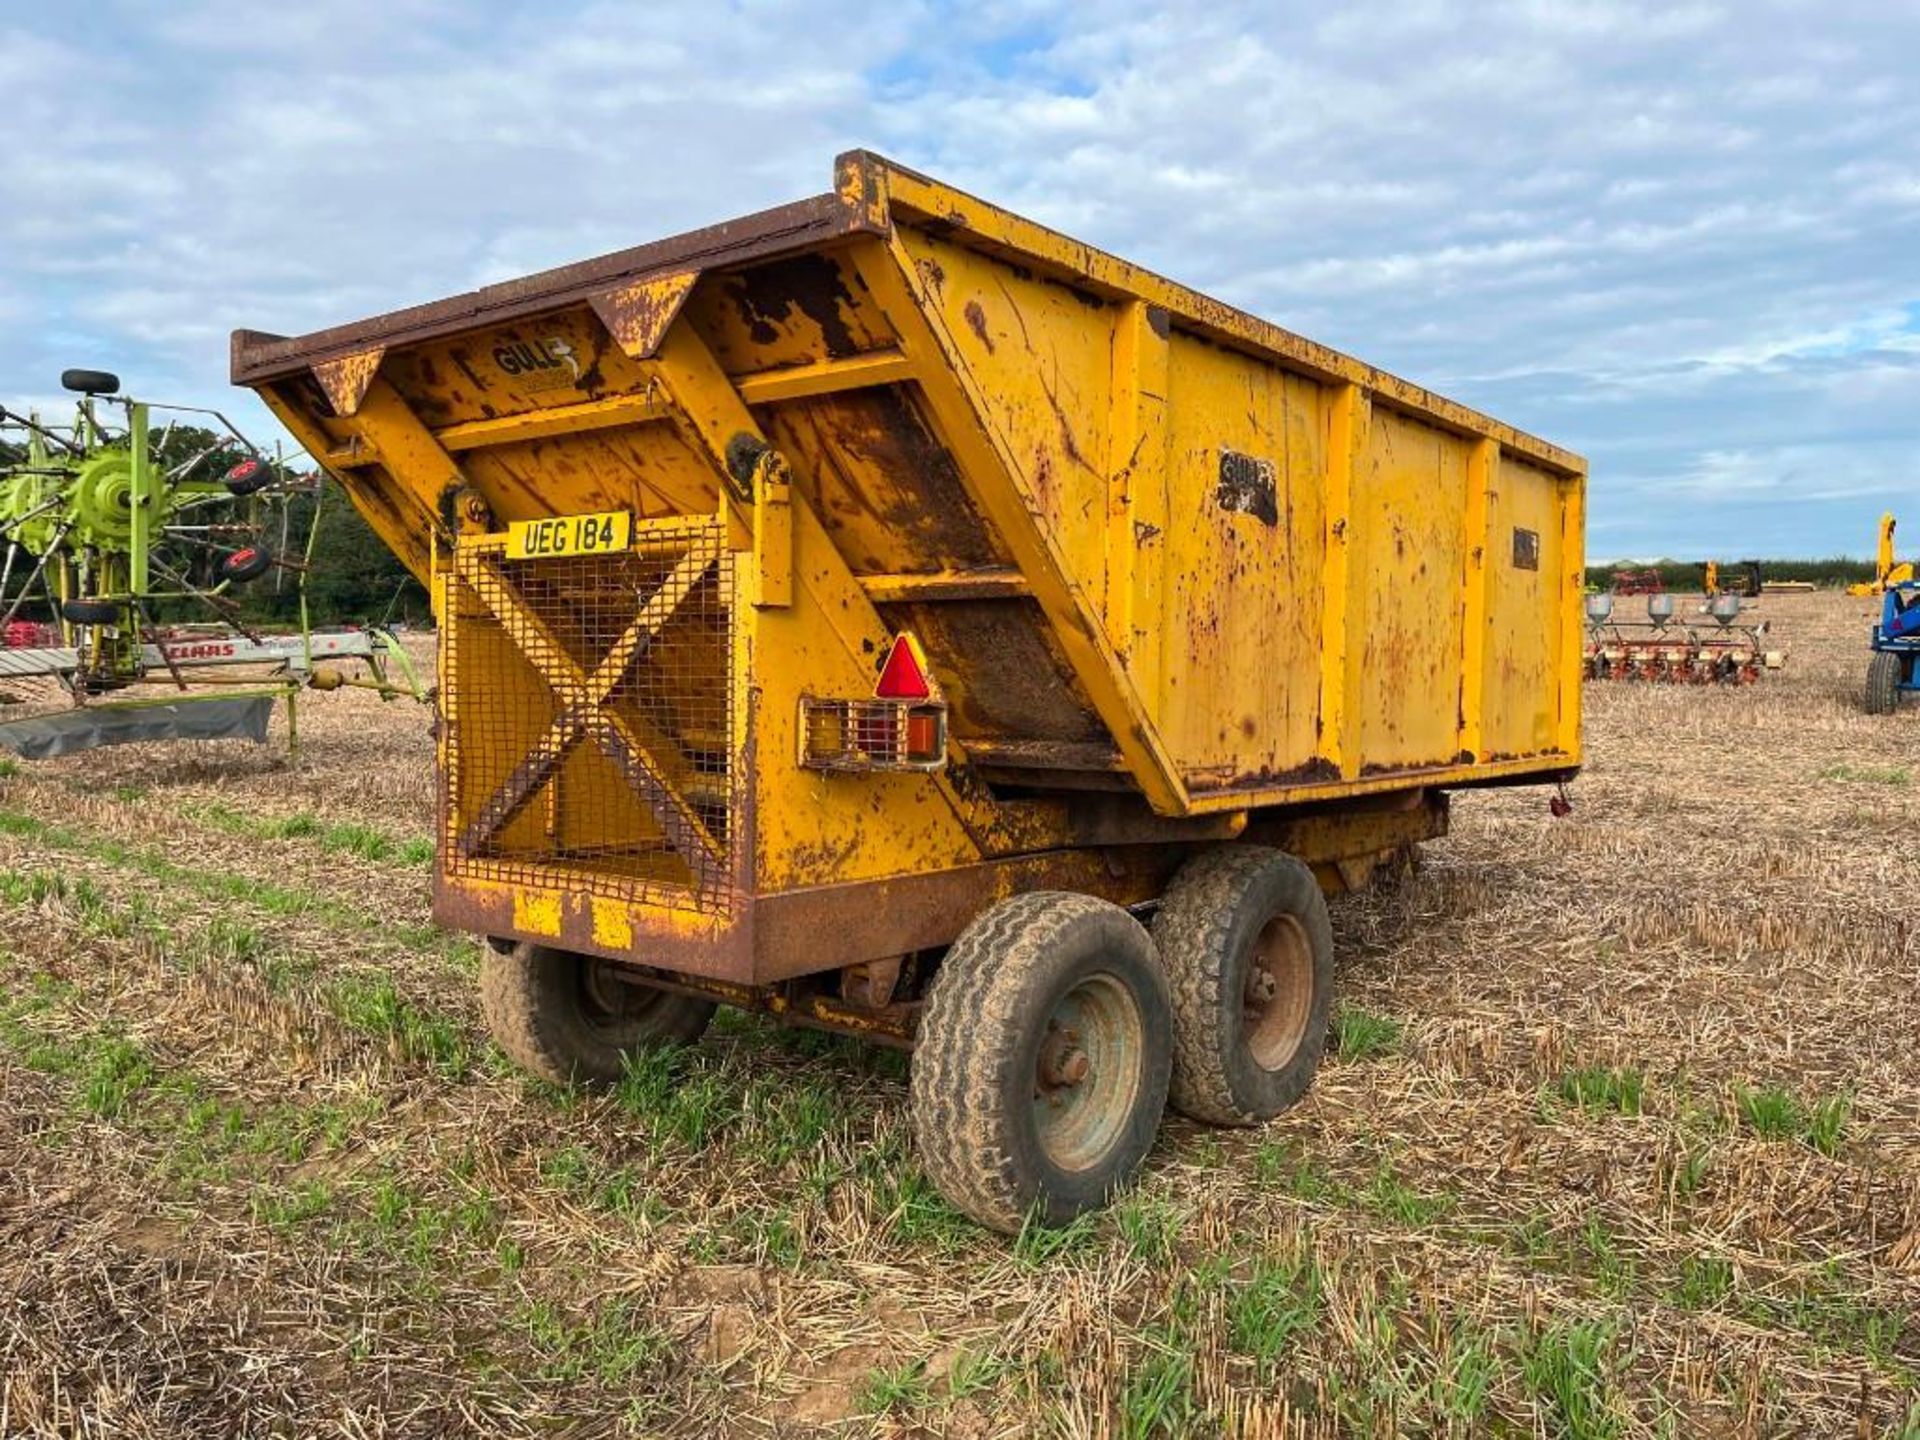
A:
(248, 476)
(1040, 1072)
(1243, 933)
(92, 612)
(248, 564)
(570, 1019)
(1883, 683)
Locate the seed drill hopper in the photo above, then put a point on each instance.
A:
(1715, 649)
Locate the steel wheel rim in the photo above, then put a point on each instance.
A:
(1087, 1072)
(607, 1001)
(1277, 995)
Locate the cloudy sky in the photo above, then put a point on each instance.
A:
(1681, 238)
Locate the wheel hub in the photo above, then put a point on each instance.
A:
(1277, 996)
(1062, 1062)
(1087, 1072)
(604, 989)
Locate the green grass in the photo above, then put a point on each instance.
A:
(1827, 1122)
(1464, 1375)
(1866, 774)
(1599, 1090)
(294, 1205)
(371, 1004)
(616, 1346)
(1389, 1195)
(974, 1372)
(1612, 1271)
(1150, 1228)
(1565, 1368)
(1690, 1170)
(1362, 1035)
(1279, 1302)
(1158, 1399)
(1820, 1306)
(33, 887)
(116, 1070)
(899, 1387)
(341, 836)
(1704, 1282)
(912, 1212)
(1301, 1176)
(1038, 1244)
(1775, 1113)
(248, 890)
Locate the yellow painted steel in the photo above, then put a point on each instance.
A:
(1153, 547)
(1887, 570)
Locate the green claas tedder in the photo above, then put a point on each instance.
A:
(113, 530)
(895, 616)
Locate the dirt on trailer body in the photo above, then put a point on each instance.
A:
(1619, 1134)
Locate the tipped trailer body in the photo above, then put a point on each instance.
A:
(868, 609)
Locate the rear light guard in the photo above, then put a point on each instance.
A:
(860, 736)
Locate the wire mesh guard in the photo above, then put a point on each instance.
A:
(860, 735)
(588, 701)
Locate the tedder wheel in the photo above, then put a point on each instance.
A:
(1243, 934)
(1883, 683)
(248, 476)
(92, 612)
(247, 564)
(90, 382)
(1040, 1072)
(569, 1017)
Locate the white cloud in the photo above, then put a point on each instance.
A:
(1677, 237)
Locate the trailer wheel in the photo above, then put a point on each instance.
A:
(1244, 936)
(1883, 683)
(567, 1019)
(1040, 1072)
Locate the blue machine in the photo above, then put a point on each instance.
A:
(1895, 668)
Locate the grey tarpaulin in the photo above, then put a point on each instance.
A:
(41, 737)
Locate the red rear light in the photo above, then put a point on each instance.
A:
(923, 731)
(862, 735)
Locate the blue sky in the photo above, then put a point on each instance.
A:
(1682, 238)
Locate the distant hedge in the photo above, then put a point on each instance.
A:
(1835, 572)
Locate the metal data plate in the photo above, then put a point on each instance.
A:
(601, 533)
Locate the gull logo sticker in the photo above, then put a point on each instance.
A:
(539, 364)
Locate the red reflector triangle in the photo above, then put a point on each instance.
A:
(904, 676)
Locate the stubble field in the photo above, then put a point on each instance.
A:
(1621, 1136)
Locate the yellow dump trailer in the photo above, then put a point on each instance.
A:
(894, 615)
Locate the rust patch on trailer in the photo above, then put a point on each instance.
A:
(1002, 672)
(767, 295)
(347, 379)
(887, 464)
(977, 322)
(639, 315)
(1318, 770)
